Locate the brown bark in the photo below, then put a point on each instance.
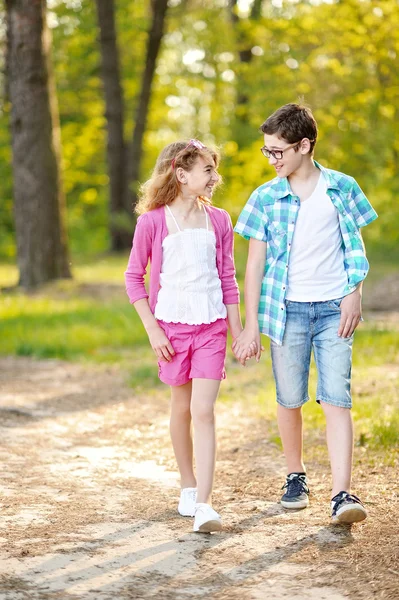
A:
(39, 203)
(245, 57)
(159, 10)
(120, 218)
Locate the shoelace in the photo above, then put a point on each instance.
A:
(344, 497)
(193, 495)
(295, 485)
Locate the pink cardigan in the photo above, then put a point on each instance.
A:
(151, 230)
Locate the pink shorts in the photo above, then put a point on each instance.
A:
(200, 352)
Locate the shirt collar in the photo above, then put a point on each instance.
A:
(281, 187)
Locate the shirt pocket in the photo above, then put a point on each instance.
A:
(276, 239)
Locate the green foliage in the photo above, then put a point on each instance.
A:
(340, 57)
(86, 319)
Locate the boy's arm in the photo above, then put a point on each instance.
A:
(253, 281)
(351, 309)
(351, 312)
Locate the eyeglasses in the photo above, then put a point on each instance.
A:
(195, 143)
(278, 154)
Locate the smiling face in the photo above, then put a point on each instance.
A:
(294, 156)
(202, 178)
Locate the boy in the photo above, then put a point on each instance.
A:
(306, 264)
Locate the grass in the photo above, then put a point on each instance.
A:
(90, 319)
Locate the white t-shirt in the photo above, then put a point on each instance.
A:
(316, 268)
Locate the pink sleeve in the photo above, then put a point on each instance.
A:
(138, 260)
(231, 294)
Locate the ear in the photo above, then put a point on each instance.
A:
(181, 175)
(305, 146)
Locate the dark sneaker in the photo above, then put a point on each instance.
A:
(347, 508)
(297, 491)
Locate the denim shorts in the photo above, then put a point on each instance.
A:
(313, 325)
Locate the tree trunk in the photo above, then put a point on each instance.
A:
(159, 9)
(244, 49)
(39, 203)
(120, 218)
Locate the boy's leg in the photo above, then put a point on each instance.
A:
(180, 433)
(340, 446)
(290, 427)
(291, 372)
(333, 355)
(204, 394)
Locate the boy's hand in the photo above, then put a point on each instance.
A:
(246, 345)
(351, 312)
(160, 343)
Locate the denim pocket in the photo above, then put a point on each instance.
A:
(335, 304)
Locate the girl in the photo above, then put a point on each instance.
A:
(193, 294)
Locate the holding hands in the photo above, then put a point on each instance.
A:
(247, 345)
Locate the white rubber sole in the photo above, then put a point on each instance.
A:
(295, 505)
(209, 526)
(186, 514)
(351, 513)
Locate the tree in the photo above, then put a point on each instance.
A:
(245, 32)
(159, 9)
(39, 203)
(124, 161)
(114, 113)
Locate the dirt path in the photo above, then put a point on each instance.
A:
(88, 504)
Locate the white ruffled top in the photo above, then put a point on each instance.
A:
(191, 290)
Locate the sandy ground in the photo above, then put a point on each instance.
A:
(89, 493)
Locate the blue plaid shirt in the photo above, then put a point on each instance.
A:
(270, 216)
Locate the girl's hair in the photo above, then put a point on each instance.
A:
(163, 186)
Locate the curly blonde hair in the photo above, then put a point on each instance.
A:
(163, 186)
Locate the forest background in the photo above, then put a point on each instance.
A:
(222, 68)
(87, 102)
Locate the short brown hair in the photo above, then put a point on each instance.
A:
(292, 122)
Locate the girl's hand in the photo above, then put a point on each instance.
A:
(160, 343)
(246, 345)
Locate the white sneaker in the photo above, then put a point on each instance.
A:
(206, 519)
(188, 498)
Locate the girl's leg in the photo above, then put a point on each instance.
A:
(290, 427)
(340, 446)
(180, 432)
(204, 394)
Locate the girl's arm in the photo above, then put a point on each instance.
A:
(138, 259)
(158, 340)
(135, 287)
(231, 294)
(234, 320)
